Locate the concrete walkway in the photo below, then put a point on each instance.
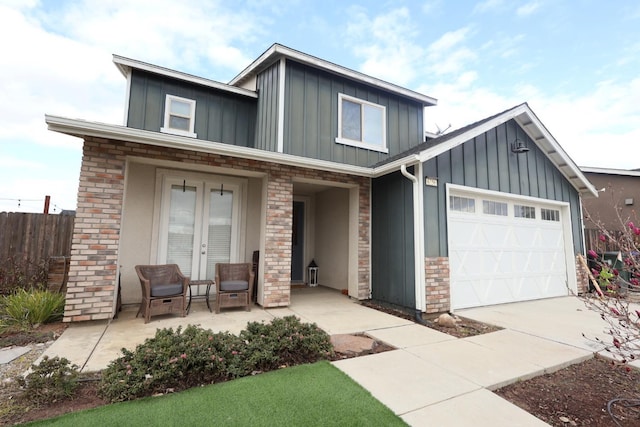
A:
(431, 379)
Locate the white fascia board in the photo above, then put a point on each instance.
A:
(471, 133)
(82, 128)
(574, 173)
(126, 64)
(559, 156)
(609, 171)
(277, 49)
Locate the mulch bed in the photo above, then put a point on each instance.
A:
(578, 395)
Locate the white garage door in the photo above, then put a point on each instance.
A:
(504, 250)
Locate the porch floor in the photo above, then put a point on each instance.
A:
(93, 345)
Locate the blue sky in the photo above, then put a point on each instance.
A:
(575, 62)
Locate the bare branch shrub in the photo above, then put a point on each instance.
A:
(615, 284)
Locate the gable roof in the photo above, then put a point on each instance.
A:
(125, 65)
(527, 120)
(278, 51)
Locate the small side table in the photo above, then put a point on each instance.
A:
(209, 283)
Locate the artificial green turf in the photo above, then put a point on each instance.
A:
(306, 395)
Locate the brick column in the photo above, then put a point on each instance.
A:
(438, 285)
(277, 257)
(582, 277)
(364, 241)
(96, 233)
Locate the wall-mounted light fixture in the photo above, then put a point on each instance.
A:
(519, 147)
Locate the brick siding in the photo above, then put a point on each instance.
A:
(582, 277)
(438, 295)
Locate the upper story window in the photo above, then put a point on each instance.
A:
(362, 124)
(179, 116)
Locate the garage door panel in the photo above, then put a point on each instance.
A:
(498, 259)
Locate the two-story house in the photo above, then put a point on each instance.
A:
(302, 159)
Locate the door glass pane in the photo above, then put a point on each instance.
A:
(182, 218)
(219, 229)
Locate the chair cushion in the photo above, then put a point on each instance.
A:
(234, 285)
(166, 290)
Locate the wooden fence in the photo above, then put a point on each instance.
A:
(592, 241)
(28, 241)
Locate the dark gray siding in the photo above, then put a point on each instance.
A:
(311, 117)
(392, 241)
(220, 116)
(487, 162)
(267, 84)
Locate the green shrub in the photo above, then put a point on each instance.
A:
(173, 360)
(179, 359)
(50, 380)
(284, 342)
(26, 309)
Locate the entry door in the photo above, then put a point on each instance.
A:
(199, 225)
(297, 243)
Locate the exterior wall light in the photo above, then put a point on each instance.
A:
(519, 147)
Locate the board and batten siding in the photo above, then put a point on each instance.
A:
(311, 117)
(220, 116)
(392, 240)
(487, 162)
(267, 84)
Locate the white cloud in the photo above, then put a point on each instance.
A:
(449, 54)
(386, 42)
(177, 35)
(528, 8)
(429, 7)
(28, 195)
(488, 5)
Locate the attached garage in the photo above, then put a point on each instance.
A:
(505, 249)
(494, 216)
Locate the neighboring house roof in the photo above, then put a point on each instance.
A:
(125, 65)
(527, 119)
(608, 171)
(278, 51)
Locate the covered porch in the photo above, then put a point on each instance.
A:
(141, 204)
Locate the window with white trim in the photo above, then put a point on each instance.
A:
(462, 204)
(490, 207)
(550, 214)
(521, 211)
(362, 124)
(179, 116)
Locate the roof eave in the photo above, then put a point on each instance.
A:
(537, 132)
(277, 51)
(125, 65)
(83, 128)
(610, 171)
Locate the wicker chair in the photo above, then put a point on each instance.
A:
(164, 290)
(234, 285)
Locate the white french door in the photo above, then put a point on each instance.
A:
(200, 218)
